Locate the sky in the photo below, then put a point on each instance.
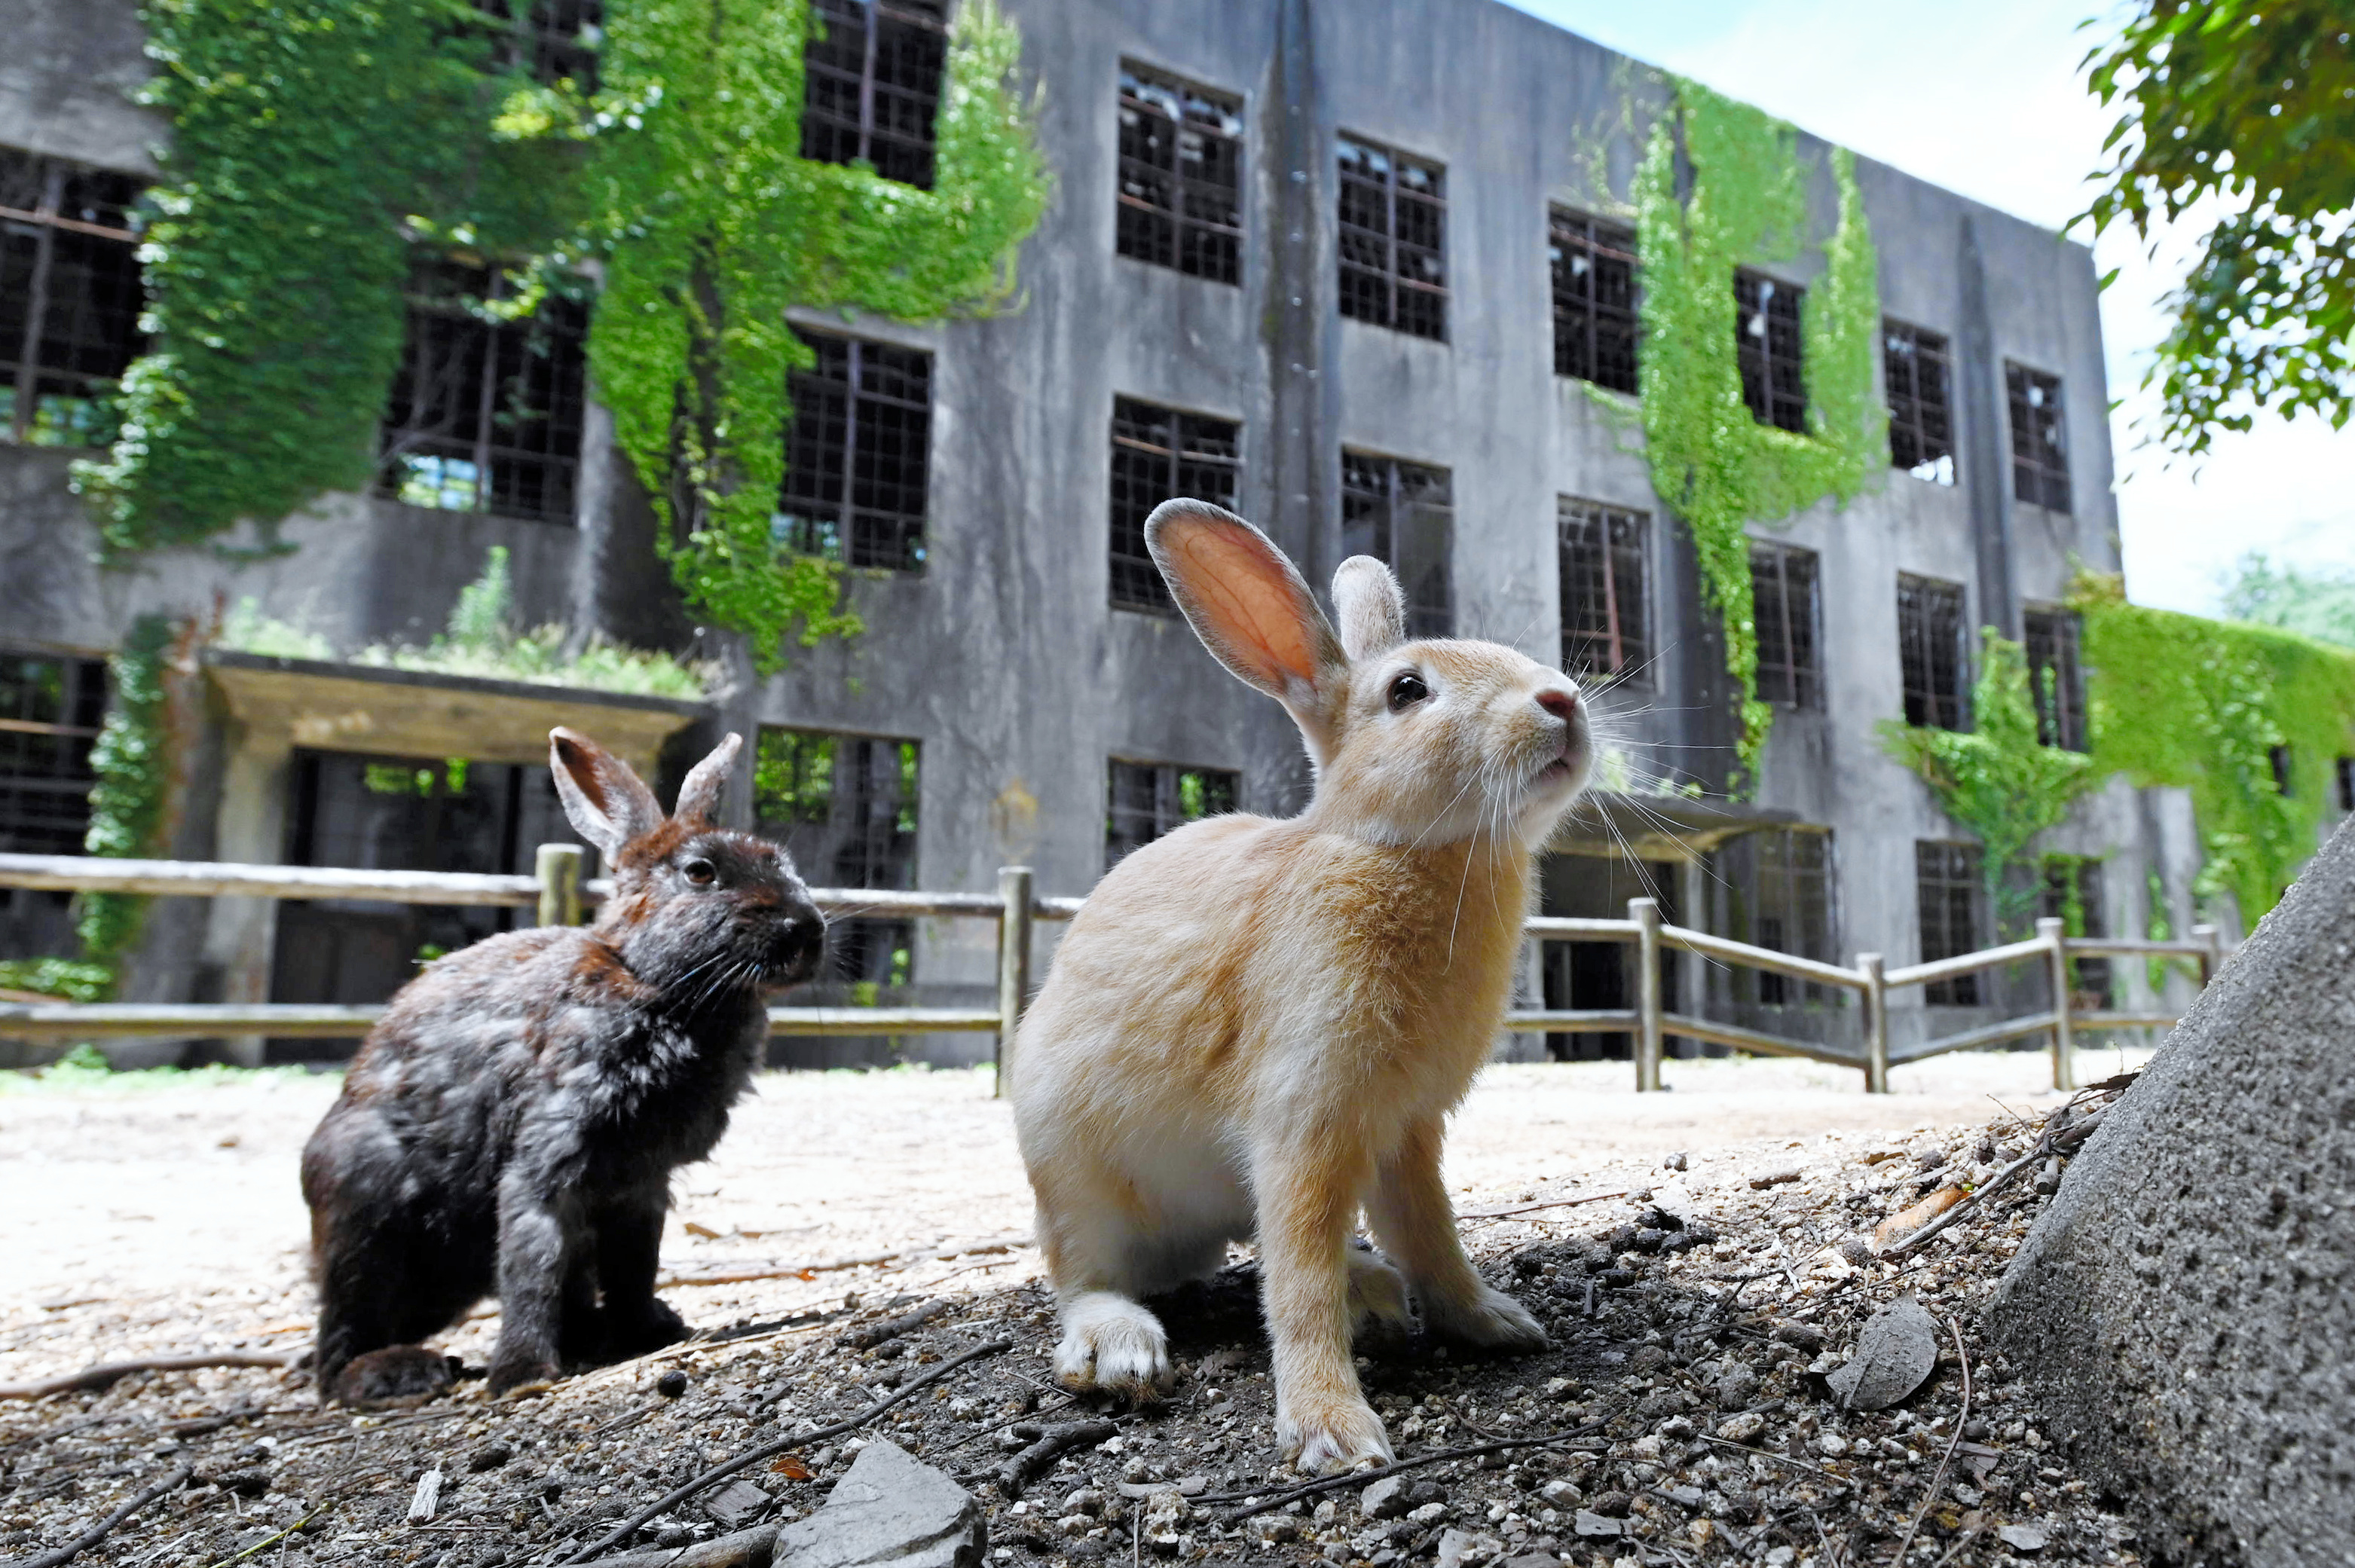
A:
(1985, 98)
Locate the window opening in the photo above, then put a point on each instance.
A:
(1158, 453)
(1181, 156)
(1946, 885)
(69, 299)
(2277, 758)
(485, 415)
(1930, 652)
(1403, 515)
(1393, 227)
(1145, 800)
(2076, 881)
(50, 712)
(555, 40)
(871, 85)
(856, 476)
(844, 807)
(2346, 783)
(2056, 679)
(2040, 444)
(1776, 888)
(1783, 608)
(1767, 348)
(1918, 372)
(1606, 623)
(1595, 320)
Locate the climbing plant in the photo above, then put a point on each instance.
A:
(132, 761)
(1721, 185)
(1996, 779)
(714, 224)
(2178, 700)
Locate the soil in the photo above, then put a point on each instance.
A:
(143, 1221)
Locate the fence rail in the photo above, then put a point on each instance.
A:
(558, 893)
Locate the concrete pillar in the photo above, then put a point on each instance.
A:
(243, 931)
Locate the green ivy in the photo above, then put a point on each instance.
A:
(1717, 466)
(2176, 700)
(715, 224)
(131, 760)
(1996, 779)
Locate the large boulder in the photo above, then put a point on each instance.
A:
(2185, 1309)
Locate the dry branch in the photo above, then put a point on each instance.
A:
(1528, 1207)
(112, 1372)
(1962, 1419)
(98, 1532)
(1047, 1442)
(1366, 1477)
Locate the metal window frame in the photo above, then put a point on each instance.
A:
(20, 363)
(1578, 315)
(1806, 679)
(2039, 464)
(2052, 638)
(1759, 363)
(1167, 811)
(553, 54)
(1746, 906)
(873, 13)
(1227, 239)
(853, 392)
(1924, 346)
(1391, 497)
(1917, 638)
(1183, 423)
(1393, 278)
(1962, 874)
(1604, 519)
(83, 694)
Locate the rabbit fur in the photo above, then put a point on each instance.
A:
(1255, 1027)
(511, 1123)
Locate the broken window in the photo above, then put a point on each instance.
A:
(1606, 618)
(2055, 681)
(1158, 453)
(2039, 440)
(1595, 323)
(1952, 915)
(844, 807)
(856, 458)
(1145, 800)
(1181, 159)
(1403, 515)
(1774, 889)
(50, 709)
(1393, 239)
(1783, 608)
(1930, 652)
(2072, 894)
(871, 84)
(1918, 373)
(485, 412)
(2277, 758)
(69, 299)
(555, 40)
(1767, 348)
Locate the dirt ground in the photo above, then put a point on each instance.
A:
(139, 1217)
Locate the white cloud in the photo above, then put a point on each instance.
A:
(1985, 99)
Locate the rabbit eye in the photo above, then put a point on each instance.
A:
(1407, 691)
(702, 873)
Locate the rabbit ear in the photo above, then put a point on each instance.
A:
(699, 796)
(607, 801)
(1250, 607)
(1372, 611)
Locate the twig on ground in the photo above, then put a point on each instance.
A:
(1531, 1208)
(2055, 1138)
(878, 1260)
(1962, 1419)
(1022, 1468)
(1002, 1425)
(875, 1334)
(1956, 1551)
(750, 1456)
(1366, 1477)
(272, 1539)
(1778, 1458)
(109, 1374)
(98, 1532)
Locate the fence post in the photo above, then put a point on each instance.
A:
(558, 867)
(1013, 964)
(1646, 913)
(2211, 953)
(2054, 934)
(1876, 1024)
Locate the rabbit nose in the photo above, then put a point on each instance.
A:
(1562, 705)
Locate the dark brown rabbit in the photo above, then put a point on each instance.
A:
(511, 1124)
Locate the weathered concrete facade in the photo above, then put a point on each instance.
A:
(1003, 658)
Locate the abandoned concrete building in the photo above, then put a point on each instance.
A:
(1356, 270)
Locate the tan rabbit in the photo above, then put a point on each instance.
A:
(1254, 1027)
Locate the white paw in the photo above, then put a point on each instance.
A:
(1339, 1436)
(1492, 1319)
(1112, 1343)
(1377, 1294)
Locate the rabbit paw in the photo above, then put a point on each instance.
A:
(521, 1374)
(1491, 1319)
(1377, 1294)
(1112, 1343)
(1326, 1436)
(649, 1328)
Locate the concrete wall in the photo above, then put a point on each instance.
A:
(1002, 657)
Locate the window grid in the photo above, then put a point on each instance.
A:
(555, 40)
(1783, 581)
(2039, 438)
(1930, 652)
(1181, 155)
(1403, 515)
(70, 298)
(2056, 679)
(1777, 884)
(1606, 621)
(1595, 320)
(1947, 888)
(871, 85)
(1145, 800)
(845, 808)
(485, 416)
(2346, 769)
(1393, 223)
(2078, 878)
(50, 712)
(857, 459)
(1158, 453)
(2277, 758)
(1917, 370)
(1769, 350)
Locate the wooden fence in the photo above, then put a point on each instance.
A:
(558, 894)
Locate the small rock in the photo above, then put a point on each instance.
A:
(1425, 1493)
(1747, 1427)
(1677, 1429)
(1930, 1159)
(1592, 1524)
(1831, 1444)
(1427, 1514)
(489, 1456)
(1612, 1505)
(736, 1505)
(1804, 1335)
(1683, 1496)
(671, 1385)
(1658, 1219)
(1736, 1387)
(1857, 1252)
(1896, 1353)
(1386, 1498)
(1772, 1178)
(2024, 1537)
(1457, 1549)
(1674, 1162)
(890, 1509)
(1558, 1493)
